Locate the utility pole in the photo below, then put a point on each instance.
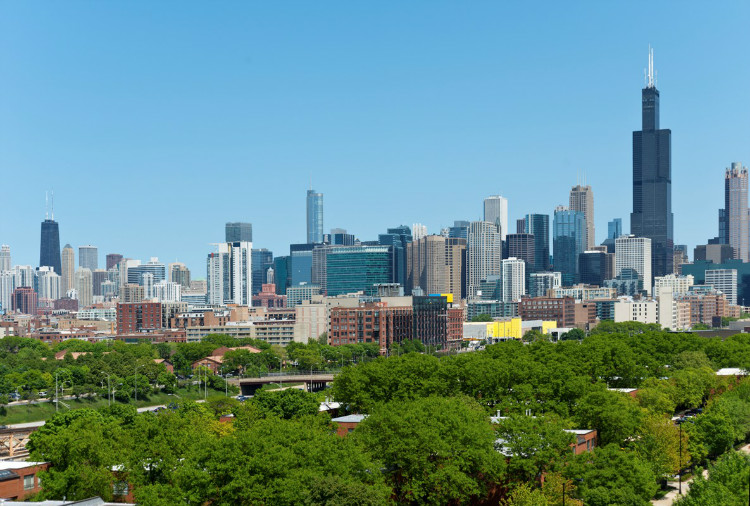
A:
(679, 470)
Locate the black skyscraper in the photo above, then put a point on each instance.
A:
(652, 180)
(49, 248)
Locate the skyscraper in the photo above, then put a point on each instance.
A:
(521, 246)
(484, 253)
(582, 200)
(84, 287)
(569, 241)
(635, 253)
(229, 274)
(238, 232)
(614, 228)
(398, 238)
(88, 257)
(5, 262)
(68, 268)
(418, 231)
(652, 180)
(113, 259)
(538, 225)
(49, 248)
(314, 217)
(180, 274)
(496, 212)
(733, 219)
(514, 279)
(262, 261)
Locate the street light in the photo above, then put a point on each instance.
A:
(109, 389)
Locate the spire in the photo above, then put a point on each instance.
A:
(650, 74)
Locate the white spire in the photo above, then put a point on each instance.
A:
(650, 76)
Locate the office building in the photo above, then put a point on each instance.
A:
(352, 269)
(635, 253)
(716, 253)
(138, 317)
(459, 230)
(68, 268)
(435, 264)
(314, 217)
(434, 323)
(49, 247)
(166, 291)
(340, 237)
(496, 212)
(47, 284)
(180, 274)
(132, 293)
(522, 246)
(88, 257)
(541, 282)
(296, 295)
(725, 281)
(262, 261)
(538, 226)
(113, 259)
(561, 310)
(281, 273)
(98, 277)
(398, 239)
(157, 269)
(7, 286)
(582, 200)
(652, 180)
(84, 287)
(698, 270)
(592, 268)
(676, 284)
(568, 241)
(628, 283)
(370, 323)
(484, 254)
(733, 219)
(5, 262)
(238, 232)
(513, 279)
(521, 226)
(680, 257)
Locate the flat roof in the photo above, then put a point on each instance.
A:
(349, 419)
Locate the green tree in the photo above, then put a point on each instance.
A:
(483, 317)
(435, 450)
(574, 335)
(658, 443)
(726, 485)
(289, 403)
(615, 416)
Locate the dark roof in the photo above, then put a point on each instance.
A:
(6, 475)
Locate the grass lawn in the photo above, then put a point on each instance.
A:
(42, 411)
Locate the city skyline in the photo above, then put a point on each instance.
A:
(521, 112)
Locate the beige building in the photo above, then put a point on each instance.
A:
(68, 268)
(582, 200)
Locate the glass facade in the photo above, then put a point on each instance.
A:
(314, 217)
(569, 241)
(538, 225)
(238, 232)
(397, 238)
(49, 247)
(262, 260)
(357, 268)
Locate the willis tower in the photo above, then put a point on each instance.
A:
(652, 179)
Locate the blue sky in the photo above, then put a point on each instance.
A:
(157, 122)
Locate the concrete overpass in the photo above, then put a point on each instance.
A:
(317, 380)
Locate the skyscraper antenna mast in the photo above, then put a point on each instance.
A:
(52, 205)
(650, 76)
(46, 205)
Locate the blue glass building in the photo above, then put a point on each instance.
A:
(314, 217)
(569, 241)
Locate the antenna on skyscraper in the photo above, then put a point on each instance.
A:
(52, 205)
(650, 76)
(46, 205)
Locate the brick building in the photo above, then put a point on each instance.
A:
(371, 323)
(200, 319)
(19, 479)
(268, 297)
(705, 306)
(24, 300)
(562, 310)
(138, 317)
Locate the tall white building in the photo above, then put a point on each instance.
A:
(540, 282)
(679, 285)
(84, 287)
(5, 263)
(484, 253)
(48, 283)
(7, 285)
(24, 276)
(68, 267)
(724, 280)
(634, 253)
(496, 212)
(582, 200)
(147, 282)
(167, 291)
(418, 231)
(229, 274)
(513, 279)
(88, 257)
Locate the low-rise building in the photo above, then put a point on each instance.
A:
(19, 479)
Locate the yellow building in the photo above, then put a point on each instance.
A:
(515, 328)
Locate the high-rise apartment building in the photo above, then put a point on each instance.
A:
(513, 279)
(522, 246)
(49, 248)
(418, 231)
(434, 264)
(582, 200)
(179, 273)
(569, 241)
(677, 285)
(24, 300)
(84, 287)
(734, 221)
(652, 180)
(5, 262)
(592, 268)
(238, 232)
(541, 282)
(88, 257)
(154, 267)
(314, 217)
(496, 212)
(229, 274)
(68, 268)
(47, 284)
(460, 229)
(538, 226)
(484, 254)
(98, 277)
(724, 280)
(634, 253)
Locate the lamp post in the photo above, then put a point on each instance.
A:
(109, 389)
(679, 467)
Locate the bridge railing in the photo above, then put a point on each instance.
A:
(299, 373)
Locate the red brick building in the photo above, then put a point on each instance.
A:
(138, 317)
(562, 310)
(455, 327)
(24, 300)
(19, 479)
(200, 319)
(372, 323)
(268, 297)
(347, 424)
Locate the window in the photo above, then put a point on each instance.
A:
(120, 488)
(28, 482)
